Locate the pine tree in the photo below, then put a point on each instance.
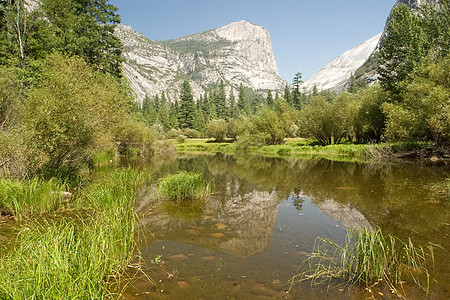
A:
(242, 103)
(86, 28)
(164, 116)
(173, 115)
(220, 101)
(269, 99)
(288, 95)
(233, 111)
(403, 49)
(187, 106)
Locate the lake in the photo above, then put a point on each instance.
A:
(248, 238)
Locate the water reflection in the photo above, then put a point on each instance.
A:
(264, 215)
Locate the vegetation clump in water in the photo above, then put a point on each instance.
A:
(183, 186)
(368, 257)
(77, 257)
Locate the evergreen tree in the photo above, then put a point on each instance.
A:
(164, 116)
(86, 28)
(403, 49)
(173, 115)
(220, 101)
(288, 95)
(187, 106)
(269, 100)
(297, 82)
(233, 111)
(242, 103)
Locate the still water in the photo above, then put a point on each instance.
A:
(247, 239)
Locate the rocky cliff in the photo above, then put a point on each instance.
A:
(240, 52)
(360, 60)
(336, 73)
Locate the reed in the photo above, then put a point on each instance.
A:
(79, 257)
(183, 186)
(371, 258)
(29, 198)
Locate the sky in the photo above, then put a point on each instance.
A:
(306, 34)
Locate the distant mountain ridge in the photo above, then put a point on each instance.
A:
(240, 52)
(359, 60)
(335, 74)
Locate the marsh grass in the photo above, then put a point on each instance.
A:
(183, 186)
(79, 257)
(371, 258)
(29, 198)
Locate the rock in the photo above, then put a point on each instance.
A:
(240, 52)
(180, 256)
(217, 234)
(220, 226)
(208, 258)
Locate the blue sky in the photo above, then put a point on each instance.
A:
(306, 34)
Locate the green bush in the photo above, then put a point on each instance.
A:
(424, 112)
(73, 113)
(269, 126)
(217, 129)
(368, 116)
(182, 186)
(327, 122)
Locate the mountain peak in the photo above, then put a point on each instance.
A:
(240, 52)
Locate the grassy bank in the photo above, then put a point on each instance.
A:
(80, 255)
(305, 148)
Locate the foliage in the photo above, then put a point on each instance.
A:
(269, 126)
(327, 122)
(368, 117)
(86, 29)
(413, 38)
(187, 106)
(77, 257)
(71, 114)
(424, 113)
(368, 257)
(29, 198)
(182, 186)
(217, 129)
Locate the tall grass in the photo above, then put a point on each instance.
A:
(183, 186)
(29, 198)
(78, 257)
(368, 257)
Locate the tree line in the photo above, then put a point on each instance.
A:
(410, 103)
(63, 98)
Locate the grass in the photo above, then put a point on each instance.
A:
(182, 186)
(29, 198)
(77, 257)
(371, 258)
(307, 148)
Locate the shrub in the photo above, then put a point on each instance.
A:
(191, 133)
(217, 129)
(424, 112)
(181, 138)
(182, 186)
(69, 115)
(368, 116)
(327, 122)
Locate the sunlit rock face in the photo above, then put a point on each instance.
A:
(238, 223)
(335, 75)
(237, 53)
